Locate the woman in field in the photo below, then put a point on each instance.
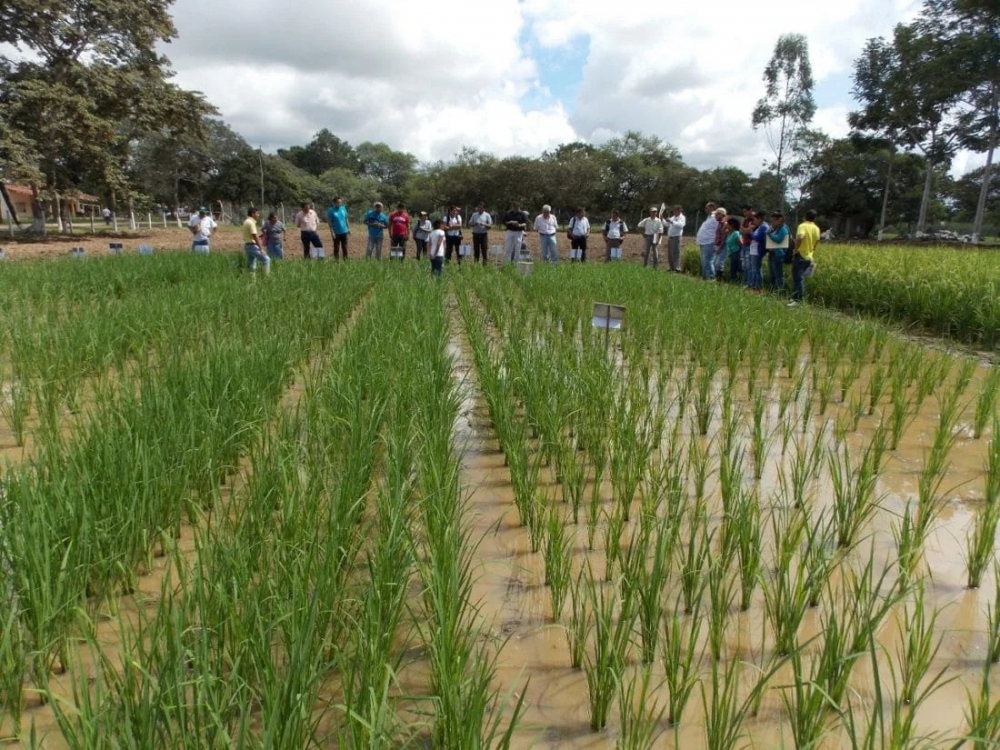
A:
(435, 248)
(274, 237)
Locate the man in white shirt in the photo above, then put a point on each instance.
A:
(675, 230)
(614, 233)
(202, 227)
(579, 228)
(547, 225)
(480, 221)
(652, 228)
(307, 221)
(706, 240)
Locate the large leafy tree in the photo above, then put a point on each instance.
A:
(81, 83)
(911, 93)
(324, 152)
(787, 107)
(640, 171)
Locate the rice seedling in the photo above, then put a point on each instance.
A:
(992, 490)
(679, 654)
(993, 621)
(901, 414)
(786, 591)
(726, 710)
(982, 716)
(581, 622)
(558, 562)
(807, 704)
(980, 543)
(614, 528)
(604, 663)
(721, 593)
(648, 583)
(640, 717)
(920, 647)
(855, 501)
(694, 556)
(748, 548)
(986, 402)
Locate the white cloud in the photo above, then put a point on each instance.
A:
(432, 76)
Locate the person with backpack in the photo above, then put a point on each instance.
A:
(578, 231)
(614, 233)
(652, 229)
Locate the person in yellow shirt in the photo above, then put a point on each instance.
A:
(251, 243)
(806, 239)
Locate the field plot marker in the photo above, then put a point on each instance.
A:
(116, 248)
(77, 252)
(145, 249)
(609, 317)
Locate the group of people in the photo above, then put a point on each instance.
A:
(753, 241)
(747, 243)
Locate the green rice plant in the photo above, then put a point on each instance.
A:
(980, 543)
(537, 521)
(992, 493)
(614, 528)
(933, 374)
(726, 710)
(855, 501)
(573, 473)
(993, 621)
(581, 622)
(649, 582)
(15, 405)
(850, 374)
(604, 663)
(748, 547)
(558, 562)
(699, 466)
(930, 499)
(640, 714)
(791, 346)
(966, 370)
(827, 383)
(817, 556)
(786, 591)
(679, 654)
(721, 594)
(901, 414)
(703, 398)
(878, 381)
(730, 475)
(986, 402)
(808, 705)
(908, 547)
(694, 556)
(919, 649)
(982, 716)
(760, 438)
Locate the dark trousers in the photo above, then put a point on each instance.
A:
(437, 262)
(580, 243)
(452, 243)
(479, 245)
(309, 240)
(340, 245)
(421, 248)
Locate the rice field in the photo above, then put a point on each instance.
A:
(347, 506)
(945, 291)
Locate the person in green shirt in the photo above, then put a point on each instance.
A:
(734, 246)
(251, 243)
(806, 240)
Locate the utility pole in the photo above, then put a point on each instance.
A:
(260, 159)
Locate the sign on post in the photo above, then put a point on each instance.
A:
(77, 252)
(115, 248)
(609, 317)
(145, 249)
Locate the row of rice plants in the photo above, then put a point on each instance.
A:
(748, 472)
(85, 515)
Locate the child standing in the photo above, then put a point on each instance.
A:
(436, 248)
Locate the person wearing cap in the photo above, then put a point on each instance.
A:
(614, 233)
(675, 224)
(308, 222)
(546, 224)
(399, 229)
(422, 234)
(652, 229)
(376, 221)
(251, 243)
(480, 221)
(337, 216)
(202, 228)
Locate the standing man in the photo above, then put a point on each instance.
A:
(337, 216)
(806, 240)
(376, 221)
(546, 224)
(422, 234)
(453, 234)
(515, 221)
(706, 241)
(776, 245)
(614, 233)
(106, 213)
(251, 243)
(399, 229)
(202, 227)
(308, 222)
(675, 230)
(579, 228)
(652, 228)
(480, 221)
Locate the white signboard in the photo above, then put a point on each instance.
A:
(145, 249)
(396, 254)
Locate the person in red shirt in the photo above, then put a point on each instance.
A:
(399, 229)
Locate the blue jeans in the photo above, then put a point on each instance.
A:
(776, 266)
(745, 262)
(799, 266)
(707, 261)
(255, 256)
(437, 263)
(374, 246)
(550, 247)
(753, 274)
(276, 250)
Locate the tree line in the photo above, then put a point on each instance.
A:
(92, 109)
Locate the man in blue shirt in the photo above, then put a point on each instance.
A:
(376, 221)
(336, 215)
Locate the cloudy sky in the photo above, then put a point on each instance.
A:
(515, 76)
